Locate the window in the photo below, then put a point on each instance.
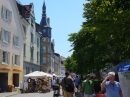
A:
(32, 70)
(37, 42)
(44, 39)
(37, 56)
(6, 14)
(32, 22)
(48, 49)
(5, 57)
(44, 49)
(44, 60)
(5, 36)
(24, 28)
(16, 41)
(24, 52)
(27, 70)
(16, 59)
(48, 59)
(32, 49)
(32, 37)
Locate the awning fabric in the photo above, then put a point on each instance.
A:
(124, 68)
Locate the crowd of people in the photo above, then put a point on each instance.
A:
(109, 87)
(70, 86)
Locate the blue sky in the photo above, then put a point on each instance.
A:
(65, 18)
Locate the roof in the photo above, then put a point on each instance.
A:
(24, 10)
(57, 54)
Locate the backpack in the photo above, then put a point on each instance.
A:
(68, 88)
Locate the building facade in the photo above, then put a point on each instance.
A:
(32, 42)
(57, 64)
(45, 29)
(11, 45)
(62, 67)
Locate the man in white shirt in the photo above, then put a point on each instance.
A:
(53, 81)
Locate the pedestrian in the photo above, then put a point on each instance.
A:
(77, 82)
(34, 85)
(88, 87)
(53, 82)
(112, 87)
(67, 85)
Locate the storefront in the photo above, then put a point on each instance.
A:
(10, 75)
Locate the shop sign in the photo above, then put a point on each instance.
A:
(5, 69)
(17, 70)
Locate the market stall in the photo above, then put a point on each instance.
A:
(124, 78)
(37, 82)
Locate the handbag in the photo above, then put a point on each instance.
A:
(68, 88)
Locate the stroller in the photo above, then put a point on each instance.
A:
(56, 89)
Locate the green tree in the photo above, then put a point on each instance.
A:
(104, 37)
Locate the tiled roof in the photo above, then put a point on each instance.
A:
(24, 10)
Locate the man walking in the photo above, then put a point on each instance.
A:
(112, 87)
(88, 87)
(67, 85)
(77, 82)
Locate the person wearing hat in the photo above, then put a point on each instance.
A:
(88, 87)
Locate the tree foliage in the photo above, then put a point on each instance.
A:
(104, 37)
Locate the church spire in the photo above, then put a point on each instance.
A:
(44, 9)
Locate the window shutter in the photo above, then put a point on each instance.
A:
(1, 56)
(19, 60)
(2, 12)
(13, 40)
(9, 38)
(8, 58)
(1, 33)
(10, 16)
(13, 59)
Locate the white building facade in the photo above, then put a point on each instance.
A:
(11, 45)
(32, 41)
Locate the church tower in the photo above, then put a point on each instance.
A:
(45, 23)
(45, 29)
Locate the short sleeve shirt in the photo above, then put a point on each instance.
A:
(113, 90)
(88, 87)
(76, 81)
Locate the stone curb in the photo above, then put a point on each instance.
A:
(10, 95)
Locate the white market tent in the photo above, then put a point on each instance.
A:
(54, 74)
(46, 74)
(37, 74)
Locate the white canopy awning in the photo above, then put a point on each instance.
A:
(35, 74)
(43, 73)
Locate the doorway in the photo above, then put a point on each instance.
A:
(4, 82)
(16, 80)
